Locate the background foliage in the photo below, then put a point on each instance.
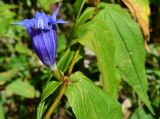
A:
(23, 77)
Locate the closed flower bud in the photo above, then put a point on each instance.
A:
(42, 30)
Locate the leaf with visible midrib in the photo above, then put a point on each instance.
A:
(112, 23)
(130, 53)
(50, 87)
(90, 102)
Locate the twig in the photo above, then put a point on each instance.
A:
(73, 61)
(56, 101)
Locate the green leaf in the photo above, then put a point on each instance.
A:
(130, 53)
(6, 17)
(90, 102)
(40, 110)
(50, 87)
(61, 43)
(6, 7)
(140, 9)
(86, 15)
(95, 36)
(139, 113)
(2, 116)
(20, 48)
(78, 5)
(8, 75)
(22, 88)
(66, 59)
(112, 23)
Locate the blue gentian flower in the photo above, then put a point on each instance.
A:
(42, 30)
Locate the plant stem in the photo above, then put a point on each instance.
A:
(73, 61)
(56, 101)
(58, 75)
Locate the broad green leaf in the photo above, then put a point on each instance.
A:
(114, 23)
(8, 75)
(22, 88)
(140, 113)
(130, 53)
(50, 87)
(2, 116)
(90, 102)
(96, 36)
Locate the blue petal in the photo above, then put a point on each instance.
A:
(40, 49)
(49, 42)
(40, 15)
(27, 23)
(42, 20)
(54, 15)
(44, 44)
(60, 21)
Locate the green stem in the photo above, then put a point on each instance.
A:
(73, 61)
(57, 100)
(58, 75)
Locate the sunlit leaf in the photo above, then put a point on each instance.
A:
(140, 9)
(50, 87)
(95, 36)
(90, 102)
(130, 53)
(113, 23)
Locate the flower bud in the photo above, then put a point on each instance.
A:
(42, 30)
